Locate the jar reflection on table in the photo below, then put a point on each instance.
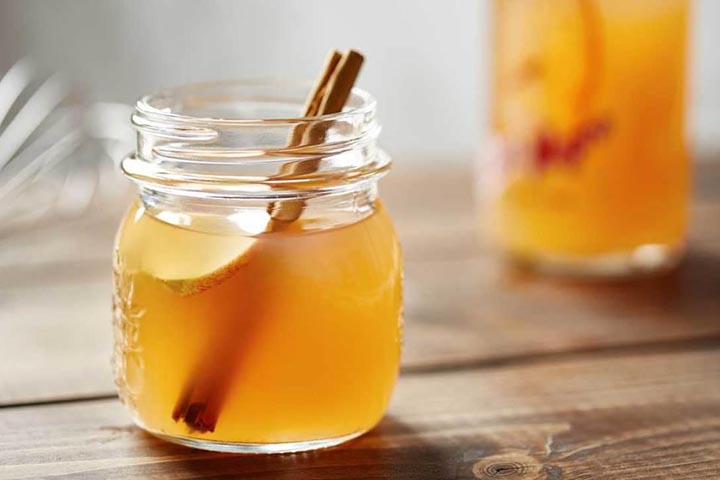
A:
(230, 337)
(587, 170)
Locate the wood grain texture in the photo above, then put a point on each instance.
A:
(477, 309)
(463, 304)
(654, 416)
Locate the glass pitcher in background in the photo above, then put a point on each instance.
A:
(587, 171)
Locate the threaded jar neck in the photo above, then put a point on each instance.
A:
(238, 139)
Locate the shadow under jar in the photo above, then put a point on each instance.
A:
(236, 331)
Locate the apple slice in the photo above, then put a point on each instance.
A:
(186, 260)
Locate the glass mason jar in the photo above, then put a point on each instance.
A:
(587, 171)
(239, 326)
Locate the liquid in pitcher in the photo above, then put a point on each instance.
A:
(588, 115)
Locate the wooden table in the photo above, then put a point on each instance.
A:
(505, 373)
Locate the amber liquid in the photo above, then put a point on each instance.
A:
(296, 339)
(589, 108)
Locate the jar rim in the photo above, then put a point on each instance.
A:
(206, 139)
(360, 102)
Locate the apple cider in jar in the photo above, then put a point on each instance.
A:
(232, 334)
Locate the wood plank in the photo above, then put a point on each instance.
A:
(479, 309)
(56, 342)
(57, 338)
(620, 417)
(463, 305)
(49, 254)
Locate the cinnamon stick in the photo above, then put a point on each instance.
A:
(330, 96)
(201, 401)
(315, 97)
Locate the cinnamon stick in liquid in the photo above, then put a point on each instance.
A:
(201, 401)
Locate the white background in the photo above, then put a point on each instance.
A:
(426, 58)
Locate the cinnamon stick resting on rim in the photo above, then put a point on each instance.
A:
(329, 95)
(201, 401)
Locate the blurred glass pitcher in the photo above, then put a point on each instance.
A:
(587, 169)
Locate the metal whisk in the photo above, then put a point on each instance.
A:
(57, 153)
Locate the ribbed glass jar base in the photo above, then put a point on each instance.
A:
(640, 261)
(255, 448)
